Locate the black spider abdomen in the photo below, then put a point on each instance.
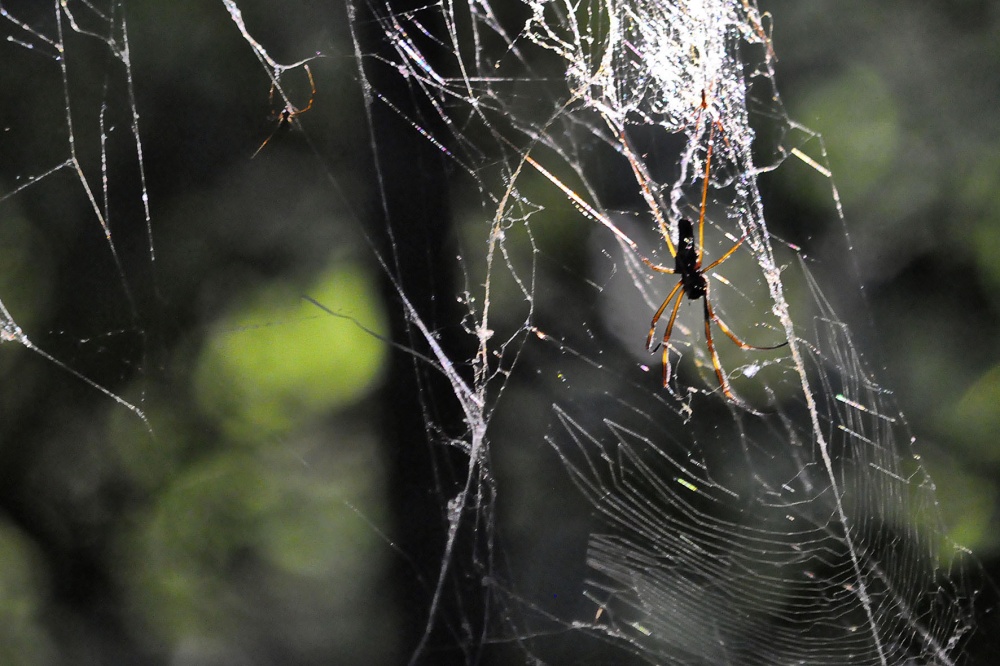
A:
(695, 285)
(686, 262)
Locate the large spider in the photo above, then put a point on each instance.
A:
(688, 256)
(694, 285)
(286, 115)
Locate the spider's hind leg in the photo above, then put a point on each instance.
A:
(719, 372)
(666, 333)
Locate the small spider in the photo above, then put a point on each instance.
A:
(286, 115)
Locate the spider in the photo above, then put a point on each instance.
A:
(694, 285)
(287, 114)
(688, 256)
(688, 259)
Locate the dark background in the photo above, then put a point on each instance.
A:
(289, 505)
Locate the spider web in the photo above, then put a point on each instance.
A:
(587, 512)
(799, 527)
(40, 156)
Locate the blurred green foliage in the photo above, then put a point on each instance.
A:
(858, 115)
(253, 518)
(279, 360)
(22, 598)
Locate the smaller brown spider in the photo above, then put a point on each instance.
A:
(286, 115)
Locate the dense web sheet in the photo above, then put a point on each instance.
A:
(615, 499)
(792, 524)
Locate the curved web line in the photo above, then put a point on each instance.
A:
(11, 332)
(55, 48)
(831, 437)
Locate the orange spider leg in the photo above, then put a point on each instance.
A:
(740, 343)
(723, 381)
(289, 113)
(312, 95)
(720, 374)
(688, 257)
(725, 256)
(281, 124)
(708, 170)
(725, 329)
(659, 313)
(643, 178)
(666, 335)
(704, 195)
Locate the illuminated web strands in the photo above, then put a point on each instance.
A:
(11, 332)
(806, 533)
(656, 58)
(689, 569)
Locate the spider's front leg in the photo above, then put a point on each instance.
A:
(659, 313)
(670, 327)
